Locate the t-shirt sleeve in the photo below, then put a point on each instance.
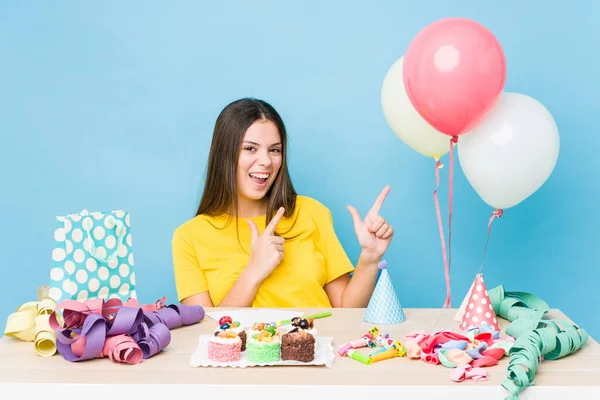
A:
(337, 261)
(189, 276)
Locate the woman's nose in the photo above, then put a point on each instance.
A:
(264, 158)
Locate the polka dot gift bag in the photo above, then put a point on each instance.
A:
(92, 257)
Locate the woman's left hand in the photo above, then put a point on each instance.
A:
(374, 233)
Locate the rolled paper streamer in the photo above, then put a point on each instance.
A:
(516, 305)
(152, 318)
(158, 338)
(43, 292)
(189, 314)
(522, 326)
(156, 306)
(142, 332)
(78, 347)
(123, 349)
(120, 348)
(536, 339)
(343, 349)
(108, 308)
(175, 315)
(127, 320)
(45, 338)
(355, 355)
(94, 332)
(170, 317)
(126, 334)
(21, 324)
(30, 323)
(73, 313)
(46, 306)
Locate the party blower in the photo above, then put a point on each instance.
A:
(366, 340)
(395, 350)
(384, 342)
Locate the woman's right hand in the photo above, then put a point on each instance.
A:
(267, 249)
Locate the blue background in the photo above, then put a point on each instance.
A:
(106, 105)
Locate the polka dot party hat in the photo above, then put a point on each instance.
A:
(478, 308)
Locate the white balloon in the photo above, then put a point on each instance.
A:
(511, 154)
(405, 121)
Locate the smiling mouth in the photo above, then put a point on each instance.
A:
(260, 179)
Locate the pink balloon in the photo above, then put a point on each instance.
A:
(454, 73)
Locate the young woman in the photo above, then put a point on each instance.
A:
(254, 242)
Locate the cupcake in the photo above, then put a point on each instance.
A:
(264, 346)
(225, 346)
(225, 323)
(299, 343)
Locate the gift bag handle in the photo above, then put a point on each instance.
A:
(120, 229)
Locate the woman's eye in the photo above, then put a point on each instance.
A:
(276, 150)
(249, 148)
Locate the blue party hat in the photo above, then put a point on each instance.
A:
(384, 307)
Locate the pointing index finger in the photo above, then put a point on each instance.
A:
(379, 202)
(270, 229)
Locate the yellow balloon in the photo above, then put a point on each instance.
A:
(405, 121)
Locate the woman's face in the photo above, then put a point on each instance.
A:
(260, 160)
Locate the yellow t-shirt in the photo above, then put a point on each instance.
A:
(207, 256)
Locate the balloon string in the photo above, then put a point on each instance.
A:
(496, 214)
(438, 165)
(453, 141)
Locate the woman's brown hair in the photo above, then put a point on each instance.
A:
(220, 194)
